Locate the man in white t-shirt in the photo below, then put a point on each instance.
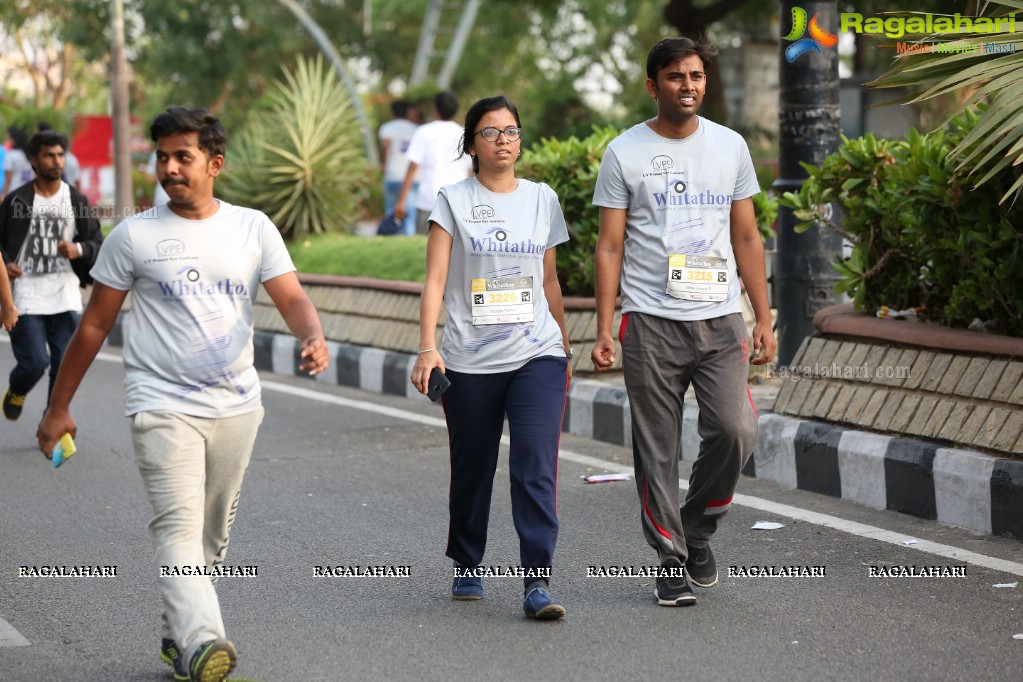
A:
(677, 228)
(434, 152)
(49, 239)
(193, 266)
(395, 136)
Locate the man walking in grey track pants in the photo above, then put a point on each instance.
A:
(677, 228)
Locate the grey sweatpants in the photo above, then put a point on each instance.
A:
(661, 358)
(192, 469)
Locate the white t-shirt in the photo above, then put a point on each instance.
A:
(678, 195)
(19, 169)
(435, 148)
(48, 285)
(188, 340)
(399, 133)
(496, 272)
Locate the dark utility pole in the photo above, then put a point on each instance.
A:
(809, 113)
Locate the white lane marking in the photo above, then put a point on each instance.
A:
(788, 511)
(11, 637)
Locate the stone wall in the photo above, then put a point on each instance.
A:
(385, 315)
(956, 387)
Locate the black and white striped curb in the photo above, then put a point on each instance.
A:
(959, 487)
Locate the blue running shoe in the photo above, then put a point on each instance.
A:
(467, 588)
(540, 605)
(171, 655)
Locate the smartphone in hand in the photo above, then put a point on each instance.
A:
(437, 384)
(63, 450)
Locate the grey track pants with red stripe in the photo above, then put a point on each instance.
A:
(661, 358)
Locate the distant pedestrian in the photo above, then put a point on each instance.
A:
(677, 228)
(490, 261)
(17, 168)
(434, 154)
(192, 266)
(395, 136)
(49, 239)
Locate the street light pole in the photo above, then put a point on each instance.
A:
(119, 115)
(809, 127)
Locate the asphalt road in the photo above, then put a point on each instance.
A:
(343, 477)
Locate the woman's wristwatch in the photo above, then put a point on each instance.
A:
(570, 353)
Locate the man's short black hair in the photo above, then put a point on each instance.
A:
(178, 120)
(47, 138)
(399, 108)
(671, 50)
(446, 104)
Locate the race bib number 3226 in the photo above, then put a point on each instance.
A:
(501, 300)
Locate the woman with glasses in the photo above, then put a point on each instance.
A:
(490, 261)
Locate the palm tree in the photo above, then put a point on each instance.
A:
(990, 67)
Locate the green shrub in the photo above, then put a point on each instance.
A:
(570, 168)
(300, 159)
(923, 235)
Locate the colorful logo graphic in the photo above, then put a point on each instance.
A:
(819, 37)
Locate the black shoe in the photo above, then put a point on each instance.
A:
(673, 588)
(701, 567)
(13, 404)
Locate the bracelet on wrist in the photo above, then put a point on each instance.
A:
(426, 351)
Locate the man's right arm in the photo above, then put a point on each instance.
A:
(97, 321)
(607, 259)
(400, 210)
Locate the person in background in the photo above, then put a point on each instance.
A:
(193, 266)
(433, 153)
(49, 238)
(17, 168)
(395, 136)
(505, 349)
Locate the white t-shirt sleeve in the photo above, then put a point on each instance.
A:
(275, 259)
(416, 152)
(559, 230)
(611, 190)
(442, 213)
(746, 184)
(115, 263)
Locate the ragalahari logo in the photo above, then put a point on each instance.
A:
(819, 37)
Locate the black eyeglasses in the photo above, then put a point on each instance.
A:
(491, 134)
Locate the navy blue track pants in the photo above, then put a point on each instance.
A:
(533, 399)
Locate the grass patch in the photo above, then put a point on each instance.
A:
(394, 258)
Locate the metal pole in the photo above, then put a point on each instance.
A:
(465, 23)
(425, 50)
(327, 48)
(809, 113)
(119, 115)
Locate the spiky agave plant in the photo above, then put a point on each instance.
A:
(300, 158)
(994, 76)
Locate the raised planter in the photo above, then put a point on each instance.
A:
(385, 314)
(952, 386)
